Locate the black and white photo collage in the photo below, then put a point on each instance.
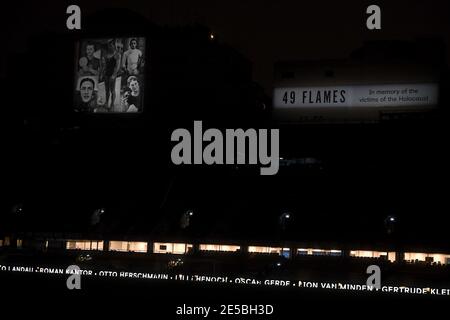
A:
(109, 75)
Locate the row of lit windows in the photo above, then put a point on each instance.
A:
(174, 248)
(319, 252)
(219, 247)
(258, 249)
(183, 248)
(84, 245)
(128, 246)
(427, 257)
(373, 254)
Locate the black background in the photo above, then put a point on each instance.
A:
(62, 166)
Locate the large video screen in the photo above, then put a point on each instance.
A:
(109, 75)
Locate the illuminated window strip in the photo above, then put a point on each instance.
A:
(182, 248)
(172, 248)
(219, 247)
(84, 245)
(128, 246)
(437, 257)
(314, 251)
(260, 249)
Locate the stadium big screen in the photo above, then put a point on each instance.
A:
(109, 75)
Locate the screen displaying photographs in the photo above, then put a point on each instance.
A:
(109, 75)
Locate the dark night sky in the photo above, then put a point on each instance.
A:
(263, 32)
